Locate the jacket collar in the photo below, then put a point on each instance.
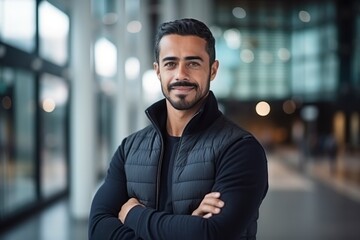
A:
(207, 114)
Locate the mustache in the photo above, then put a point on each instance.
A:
(182, 84)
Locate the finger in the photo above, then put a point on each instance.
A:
(213, 202)
(133, 200)
(205, 208)
(212, 195)
(212, 209)
(209, 215)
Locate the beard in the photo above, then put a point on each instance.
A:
(184, 101)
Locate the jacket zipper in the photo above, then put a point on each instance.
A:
(158, 177)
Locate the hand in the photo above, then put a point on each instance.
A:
(211, 204)
(132, 202)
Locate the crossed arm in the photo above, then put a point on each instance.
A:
(211, 204)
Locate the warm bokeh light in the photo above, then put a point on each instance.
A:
(339, 126)
(262, 108)
(48, 105)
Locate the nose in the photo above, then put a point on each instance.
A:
(182, 72)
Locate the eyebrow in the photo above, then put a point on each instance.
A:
(186, 58)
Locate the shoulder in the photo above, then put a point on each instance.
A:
(143, 140)
(234, 138)
(225, 129)
(140, 135)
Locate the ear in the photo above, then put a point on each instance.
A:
(213, 70)
(157, 69)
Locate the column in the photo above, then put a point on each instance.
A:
(83, 116)
(121, 108)
(145, 42)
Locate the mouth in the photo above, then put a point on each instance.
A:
(182, 87)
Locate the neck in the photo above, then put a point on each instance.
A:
(177, 121)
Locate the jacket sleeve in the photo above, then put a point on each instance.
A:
(242, 180)
(112, 194)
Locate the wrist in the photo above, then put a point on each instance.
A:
(134, 214)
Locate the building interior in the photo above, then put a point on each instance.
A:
(77, 75)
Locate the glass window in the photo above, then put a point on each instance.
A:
(330, 74)
(230, 58)
(314, 64)
(254, 71)
(311, 42)
(243, 83)
(312, 78)
(54, 33)
(17, 133)
(281, 52)
(298, 76)
(53, 103)
(17, 23)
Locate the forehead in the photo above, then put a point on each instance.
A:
(182, 46)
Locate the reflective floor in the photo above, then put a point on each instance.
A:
(311, 204)
(304, 202)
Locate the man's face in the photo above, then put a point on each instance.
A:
(184, 70)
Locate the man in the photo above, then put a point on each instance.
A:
(191, 174)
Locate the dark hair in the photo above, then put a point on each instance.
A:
(186, 27)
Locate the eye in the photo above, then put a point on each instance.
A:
(170, 64)
(194, 64)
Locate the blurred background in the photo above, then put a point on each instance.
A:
(76, 77)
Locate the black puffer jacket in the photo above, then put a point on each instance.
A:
(195, 165)
(214, 154)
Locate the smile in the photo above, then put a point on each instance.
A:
(182, 86)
